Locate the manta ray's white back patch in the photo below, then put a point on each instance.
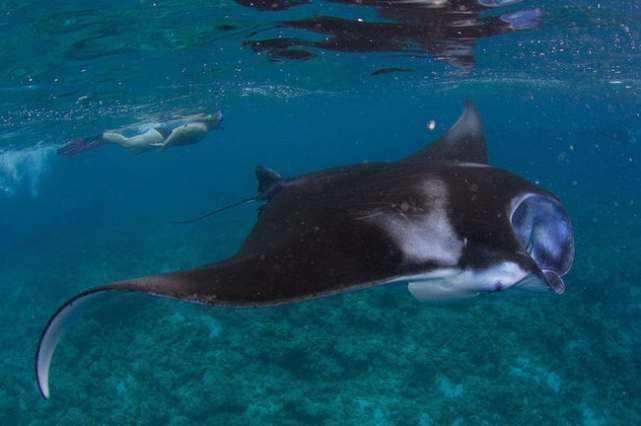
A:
(423, 232)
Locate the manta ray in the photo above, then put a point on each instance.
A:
(446, 30)
(441, 220)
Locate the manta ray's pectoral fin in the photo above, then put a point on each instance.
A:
(179, 285)
(61, 321)
(56, 327)
(229, 283)
(464, 142)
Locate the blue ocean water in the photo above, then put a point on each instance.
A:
(557, 85)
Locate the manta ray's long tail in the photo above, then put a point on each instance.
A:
(268, 184)
(216, 211)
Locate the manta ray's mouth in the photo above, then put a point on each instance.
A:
(543, 230)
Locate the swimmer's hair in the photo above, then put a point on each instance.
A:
(213, 119)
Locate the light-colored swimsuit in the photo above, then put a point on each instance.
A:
(183, 131)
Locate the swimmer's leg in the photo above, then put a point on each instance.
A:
(136, 143)
(116, 138)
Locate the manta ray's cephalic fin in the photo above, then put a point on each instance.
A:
(464, 142)
(269, 183)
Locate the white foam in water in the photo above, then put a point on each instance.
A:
(22, 169)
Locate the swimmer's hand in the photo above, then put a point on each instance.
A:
(185, 135)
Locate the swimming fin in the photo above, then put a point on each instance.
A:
(77, 146)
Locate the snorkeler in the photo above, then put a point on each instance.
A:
(186, 130)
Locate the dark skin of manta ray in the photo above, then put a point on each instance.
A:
(319, 241)
(448, 31)
(442, 210)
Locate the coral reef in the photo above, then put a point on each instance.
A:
(370, 357)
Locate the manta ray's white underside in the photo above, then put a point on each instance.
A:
(448, 284)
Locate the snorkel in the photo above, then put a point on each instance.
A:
(212, 120)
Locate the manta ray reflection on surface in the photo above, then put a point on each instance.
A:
(442, 220)
(446, 30)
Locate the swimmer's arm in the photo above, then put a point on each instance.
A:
(188, 131)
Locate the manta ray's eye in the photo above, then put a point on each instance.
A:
(543, 229)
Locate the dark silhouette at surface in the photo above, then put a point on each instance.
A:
(446, 30)
(271, 4)
(382, 71)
